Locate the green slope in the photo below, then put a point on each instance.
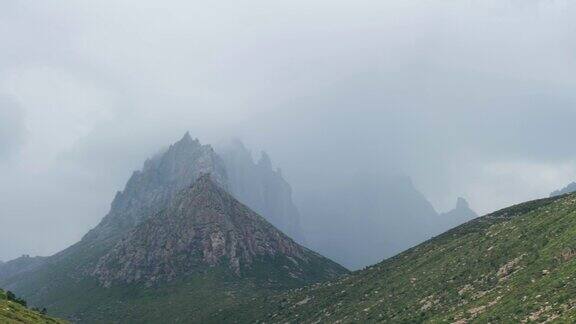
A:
(515, 265)
(195, 291)
(214, 296)
(12, 312)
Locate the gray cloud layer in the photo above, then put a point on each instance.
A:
(11, 127)
(470, 98)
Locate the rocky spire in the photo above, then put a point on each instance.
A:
(186, 137)
(459, 215)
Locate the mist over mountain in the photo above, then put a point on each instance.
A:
(461, 214)
(320, 86)
(368, 218)
(204, 227)
(566, 190)
(372, 217)
(148, 191)
(373, 135)
(175, 228)
(22, 264)
(260, 186)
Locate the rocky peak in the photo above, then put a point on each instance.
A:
(149, 190)
(462, 203)
(459, 215)
(204, 227)
(187, 137)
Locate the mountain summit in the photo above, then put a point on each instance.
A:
(176, 245)
(204, 227)
(150, 189)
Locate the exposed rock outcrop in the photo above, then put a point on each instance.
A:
(149, 190)
(159, 229)
(205, 227)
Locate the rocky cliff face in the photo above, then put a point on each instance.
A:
(262, 188)
(205, 227)
(149, 190)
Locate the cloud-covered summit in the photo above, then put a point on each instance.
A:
(471, 98)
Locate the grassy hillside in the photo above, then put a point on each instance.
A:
(515, 265)
(215, 296)
(12, 312)
(203, 259)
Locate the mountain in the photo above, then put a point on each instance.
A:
(205, 227)
(149, 190)
(566, 190)
(367, 219)
(22, 264)
(516, 265)
(459, 215)
(262, 188)
(72, 283)
(204, 258)
(13, 311)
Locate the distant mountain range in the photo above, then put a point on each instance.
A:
(370, 218)
(263, 188)
(181, 243)
(22, 264)
(566, 190)
(204, 236)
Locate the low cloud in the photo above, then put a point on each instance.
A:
(469, 98)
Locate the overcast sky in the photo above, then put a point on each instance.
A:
(470, 98)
